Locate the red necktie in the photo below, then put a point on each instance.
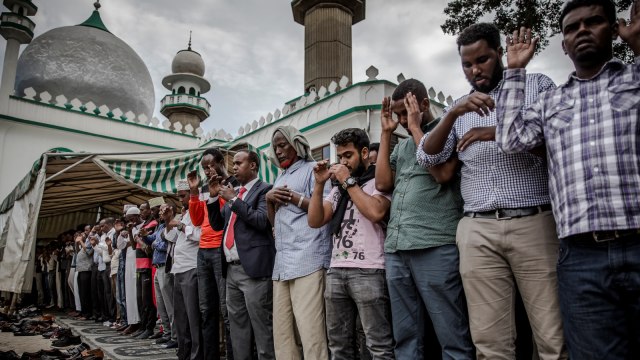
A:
(230, 238)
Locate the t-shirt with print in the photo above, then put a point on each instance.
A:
(361, 242)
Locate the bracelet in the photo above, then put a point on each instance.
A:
(300, 201)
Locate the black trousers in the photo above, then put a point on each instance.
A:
(96, 292)
(148, 312)
(108, 303)
(84, 287)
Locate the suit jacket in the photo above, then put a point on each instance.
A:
(252, 231)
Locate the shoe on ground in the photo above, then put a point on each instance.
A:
(106, 323)
(157, 335)
(171, 344)
(144, 335)
(131, 329)
(162, 340)
(122, 327)
(138, 332)
(66, 341)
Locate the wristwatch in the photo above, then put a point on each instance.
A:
(351, 181)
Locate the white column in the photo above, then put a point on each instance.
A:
(9, 73)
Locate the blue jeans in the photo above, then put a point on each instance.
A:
(352, 291)
(599, 289)
(430, 277)
(212, 301)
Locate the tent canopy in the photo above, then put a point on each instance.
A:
(63, 185)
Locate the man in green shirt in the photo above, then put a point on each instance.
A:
(421, 258)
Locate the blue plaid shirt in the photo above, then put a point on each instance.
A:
(592, 135)
(492, 179)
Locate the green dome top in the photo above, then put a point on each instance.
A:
(95, 21)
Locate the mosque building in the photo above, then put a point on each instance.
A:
(83, 88)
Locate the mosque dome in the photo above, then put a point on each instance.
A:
(188, 61)
(87, 62)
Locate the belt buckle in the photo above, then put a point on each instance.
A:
(498, 217)
(609, 238)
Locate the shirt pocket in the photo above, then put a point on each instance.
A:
(625, 96)
(560, 115)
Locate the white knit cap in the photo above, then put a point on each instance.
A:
(133, 211)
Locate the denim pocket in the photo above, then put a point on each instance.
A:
(563, 252)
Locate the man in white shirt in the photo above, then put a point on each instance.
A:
(186, 239)
(104, 270)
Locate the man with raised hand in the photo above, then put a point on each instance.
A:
(421, 258)
(507, 237)
(249, 254)
(591, 130)
(355, 283)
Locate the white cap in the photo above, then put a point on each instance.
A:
(133, 211)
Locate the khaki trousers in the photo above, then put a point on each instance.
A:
(298, 308)
(494, 253)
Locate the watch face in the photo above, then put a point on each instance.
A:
(351, 181)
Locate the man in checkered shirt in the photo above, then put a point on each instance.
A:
(592, 135)
(507, 238)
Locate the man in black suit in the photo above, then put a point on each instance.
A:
(249, 254)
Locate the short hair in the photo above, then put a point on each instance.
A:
(481, 31)
(109, 220)
(253, 157)
(374, 146)
(218, 157)
(413, 86)
(607, 5)
(355, 136)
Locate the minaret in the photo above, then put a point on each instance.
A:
(327, 38)
(17, 28)
(185, 104)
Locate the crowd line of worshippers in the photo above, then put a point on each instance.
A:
(521, 186)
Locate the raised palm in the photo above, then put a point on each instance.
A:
(630, 33)
(386, 118)
(520, 48)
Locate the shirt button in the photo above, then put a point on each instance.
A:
(592, 143)
(592, 121)
(596, 169)
(590, 100)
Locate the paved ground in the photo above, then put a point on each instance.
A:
(115, 346)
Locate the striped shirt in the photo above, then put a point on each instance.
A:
(592, 136)
(491, 179)
(300, 250)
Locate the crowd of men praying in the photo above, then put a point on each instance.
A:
(521, 187)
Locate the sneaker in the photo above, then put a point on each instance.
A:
(171, 344)
(144, 335)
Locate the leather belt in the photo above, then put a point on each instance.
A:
(235, 262)
(603, 236)
(508, 214)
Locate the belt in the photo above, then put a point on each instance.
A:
(157, 266)
(603, 236)
(235, 262)
(508, 214)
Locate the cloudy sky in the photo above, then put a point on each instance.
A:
(254, 51)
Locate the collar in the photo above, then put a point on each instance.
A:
(613, 64)
(250, 184)
(296, 165)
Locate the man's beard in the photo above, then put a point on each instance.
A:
(357, 172)
(496, 77)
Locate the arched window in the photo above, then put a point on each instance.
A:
(192, 91)
(181, 90)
